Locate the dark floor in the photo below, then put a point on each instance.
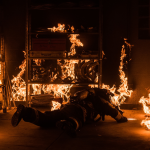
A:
(103, 135)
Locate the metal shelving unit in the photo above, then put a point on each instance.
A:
(30, 33)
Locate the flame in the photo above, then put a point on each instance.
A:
(18, 84)
(55, 105)
(38, 61)
(145, 102)
(68, 68)
(58, 90)
(146, 123)
(119, 98)
(60, 28)
(75, 42)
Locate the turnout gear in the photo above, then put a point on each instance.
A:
(86, 105)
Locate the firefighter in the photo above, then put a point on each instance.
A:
(86, 105)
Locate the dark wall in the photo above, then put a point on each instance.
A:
(115, 29)
(140, 73)
(14, 34)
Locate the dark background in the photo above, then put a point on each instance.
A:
(120, 20)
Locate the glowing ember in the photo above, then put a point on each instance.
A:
(119, 98)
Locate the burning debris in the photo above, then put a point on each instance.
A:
(146, 102)
(123, 91)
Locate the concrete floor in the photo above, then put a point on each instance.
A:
(104, 135)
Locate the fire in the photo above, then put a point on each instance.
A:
(58, 90)
(75, 42)
(19, 85)
(123, 91)
(145, 102)
(55, 105)
(68, 68)
(60, 28)
(146, 123)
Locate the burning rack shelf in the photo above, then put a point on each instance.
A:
(32, 31)
(67, 33)
(65, 8)
(77, 83)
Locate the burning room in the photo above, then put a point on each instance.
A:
(84, 59)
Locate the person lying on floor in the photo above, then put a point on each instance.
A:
(86, 105)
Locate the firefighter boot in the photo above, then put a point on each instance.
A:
(66, 126)
(120, 118)
(18, 115)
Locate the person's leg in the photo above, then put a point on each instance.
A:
(36, 117)
(107, 108)
(74, 119)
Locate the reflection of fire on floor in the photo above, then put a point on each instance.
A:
(103, 135)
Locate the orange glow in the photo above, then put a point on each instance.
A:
(18, 84)
(67, 68)
(119, 98)
(55, 105)
(75, 42)
(60, 28)
(146, 123)
(145, 102)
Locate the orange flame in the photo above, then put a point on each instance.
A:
(75, 42)
(118, 99)
(145, 102)
(146, 123)
(55, 105)
(60, 28)
(58, 90)
(19, 85)
(68, 68)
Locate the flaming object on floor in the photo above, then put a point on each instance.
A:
(123, 90)
(146, 102)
